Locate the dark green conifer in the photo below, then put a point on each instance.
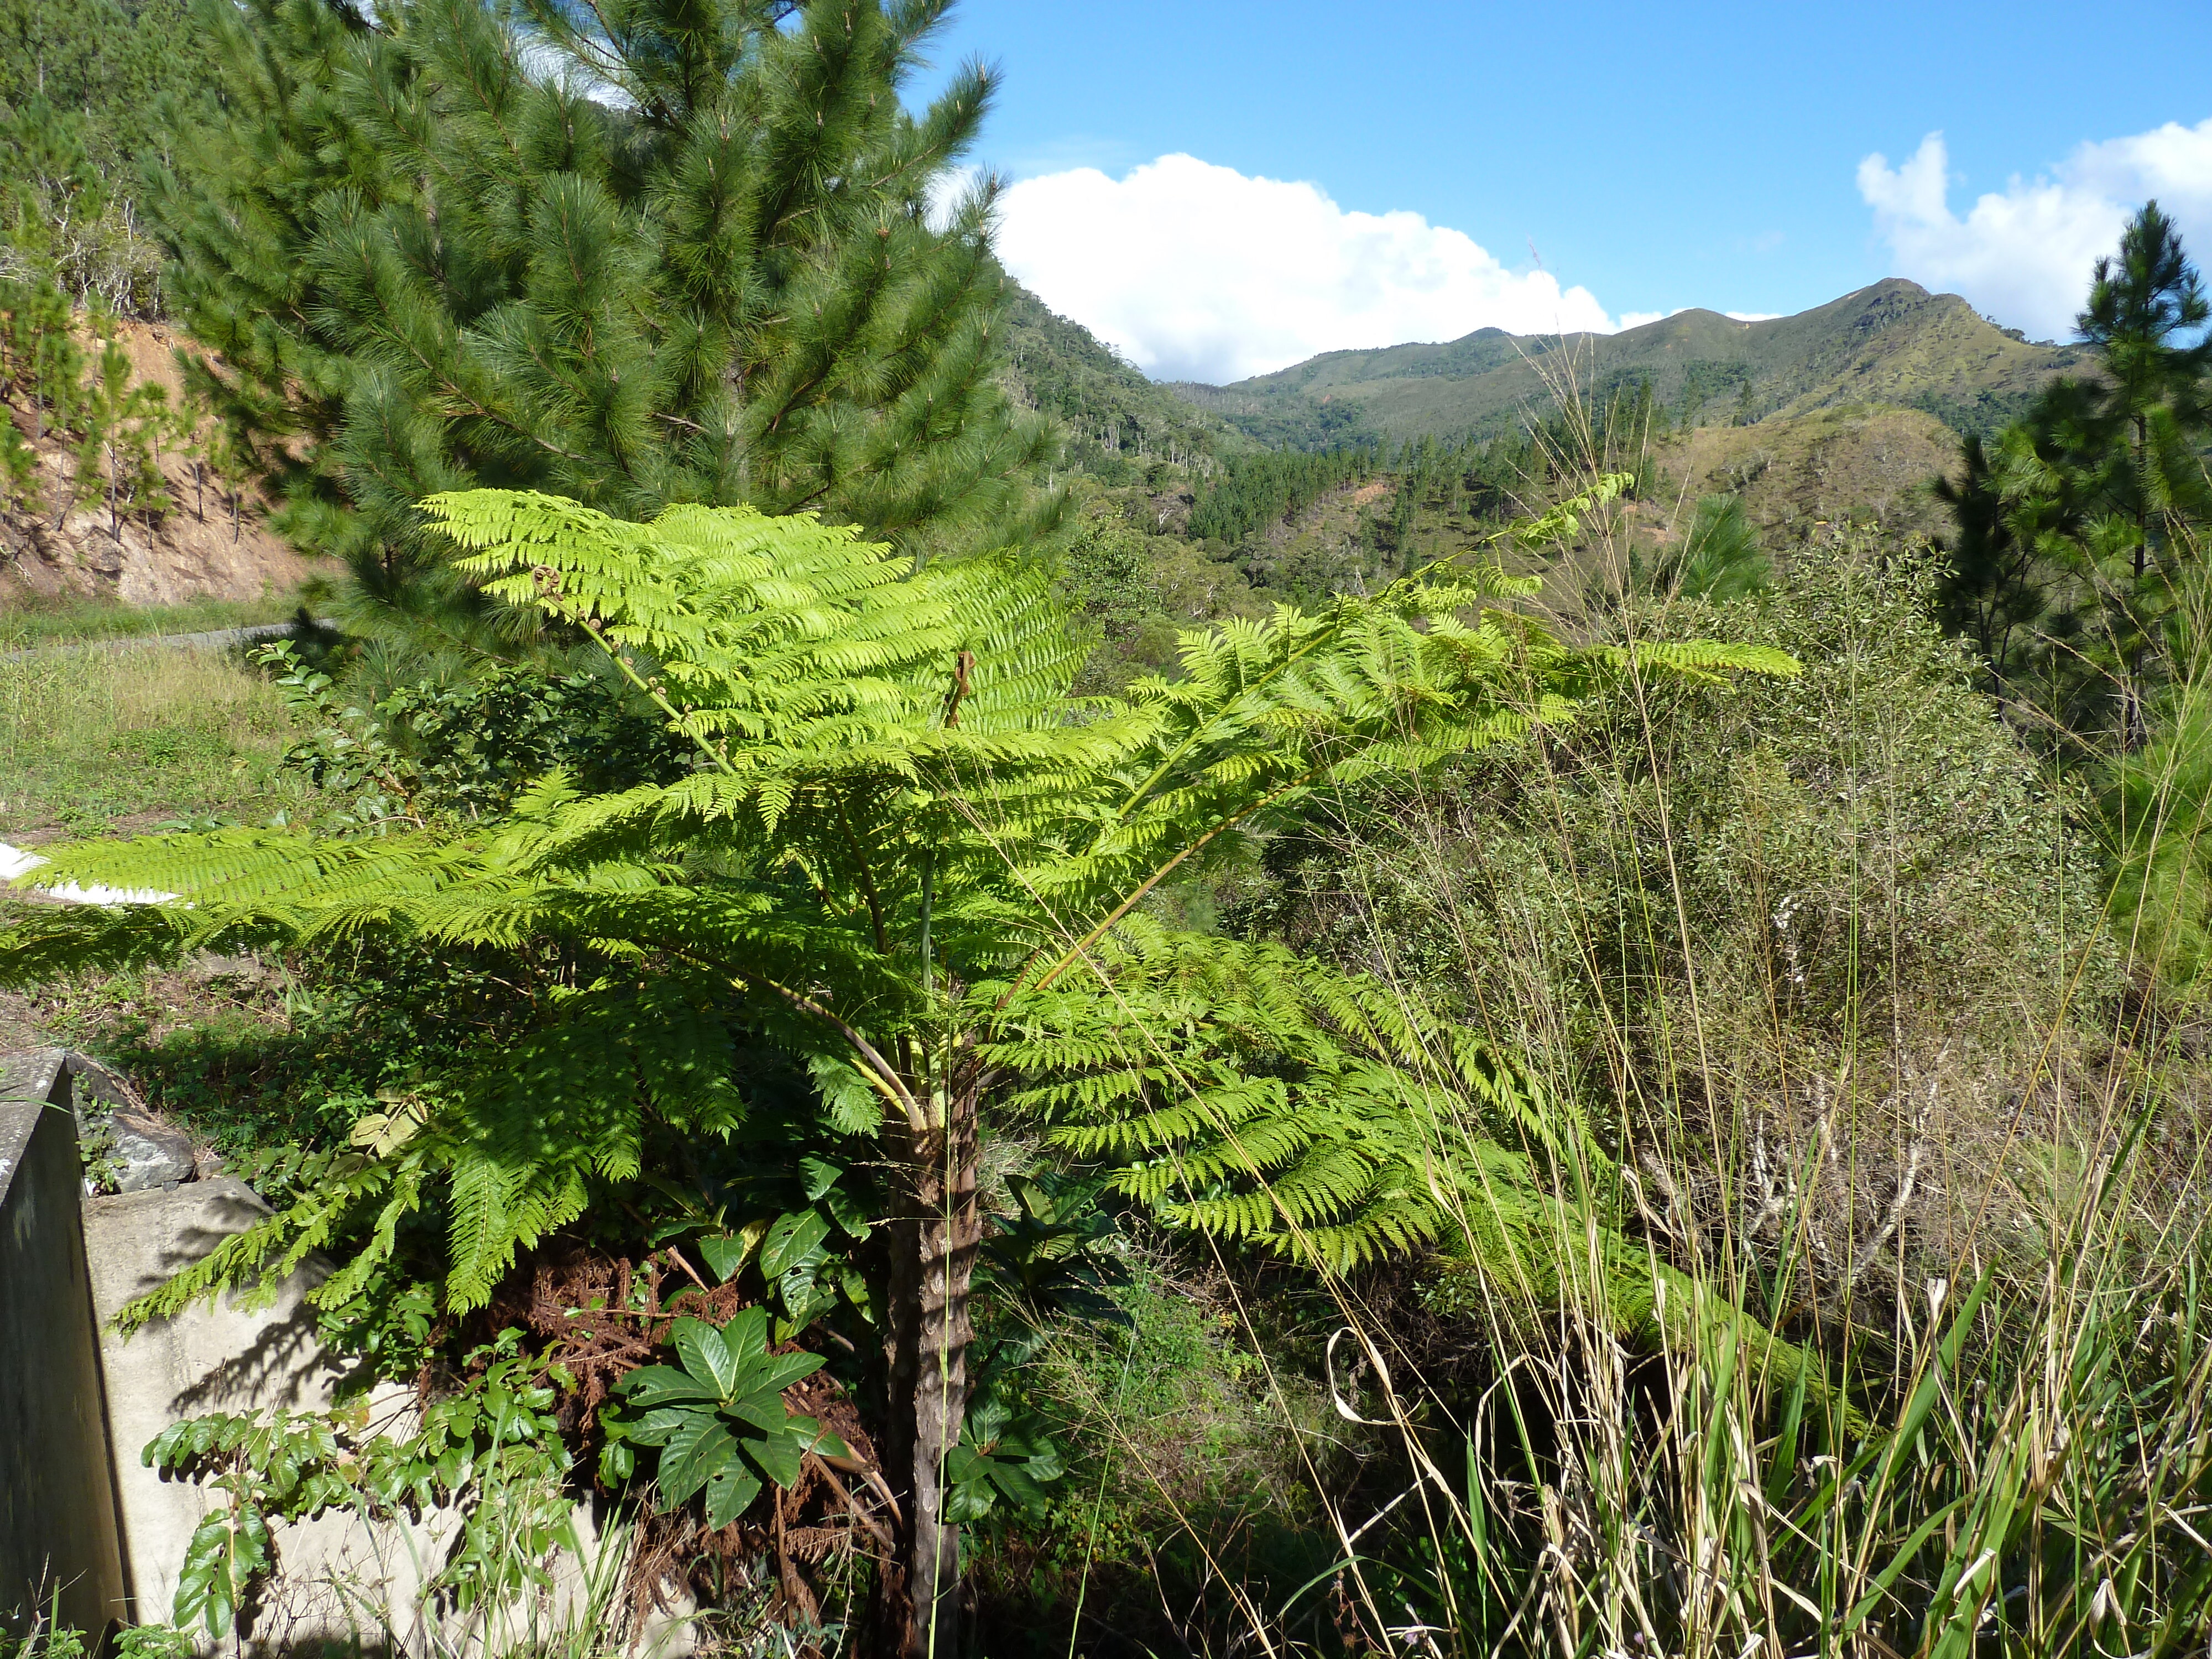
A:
(2138, 430)
(645, 252)
(2075, 531)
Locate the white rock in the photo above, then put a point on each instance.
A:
(15, 861)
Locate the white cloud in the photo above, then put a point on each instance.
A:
(2024, 254)
(1199, 272)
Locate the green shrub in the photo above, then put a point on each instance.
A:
(1809, 934)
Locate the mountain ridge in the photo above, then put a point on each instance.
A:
(1892, 342)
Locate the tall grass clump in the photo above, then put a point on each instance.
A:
(1892, 1084)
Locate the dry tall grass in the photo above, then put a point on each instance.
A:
(1829, 964)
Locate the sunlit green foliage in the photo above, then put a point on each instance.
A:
(639, 256)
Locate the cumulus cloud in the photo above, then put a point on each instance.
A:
(2023, 254)
(1199, 272)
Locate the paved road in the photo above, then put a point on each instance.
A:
(219, 640)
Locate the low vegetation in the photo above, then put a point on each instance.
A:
(34, 625)
(95, 738)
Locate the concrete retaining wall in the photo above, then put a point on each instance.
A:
(58, 1511)
(343, 1581)
(78, 1405)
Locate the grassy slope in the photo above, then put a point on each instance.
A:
(1867, 463)
(95, 740)
(1894, 342)
(1870, 463)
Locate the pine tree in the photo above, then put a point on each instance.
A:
(1993, 588)
(903, 863)
(2076, 531)
(639, 254)
(1720, 558)
(2141, 429)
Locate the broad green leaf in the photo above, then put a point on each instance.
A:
(779, 1454)
(793, 1238)
(228, 1550)
(660, 1385)
(699, 1449)
(819, 1176)
(727, 1255)
(1013, 1479)
(654, 1428)
(764, 1410)
(847, 1211)
(729, 1494)
(780, 1371)
(805, 1299)
(745, 1338)
(987, 1421)
(706, 1355)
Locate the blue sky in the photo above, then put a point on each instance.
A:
(1654, 157)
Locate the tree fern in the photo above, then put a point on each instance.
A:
(912, 859)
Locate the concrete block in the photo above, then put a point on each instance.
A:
(339, 1574)
(58, 1506)
(78, 1405)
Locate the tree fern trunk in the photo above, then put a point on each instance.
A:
(933, 1240)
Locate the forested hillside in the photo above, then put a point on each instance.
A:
(1844, 414)
(89, 90)
(1118, 425)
